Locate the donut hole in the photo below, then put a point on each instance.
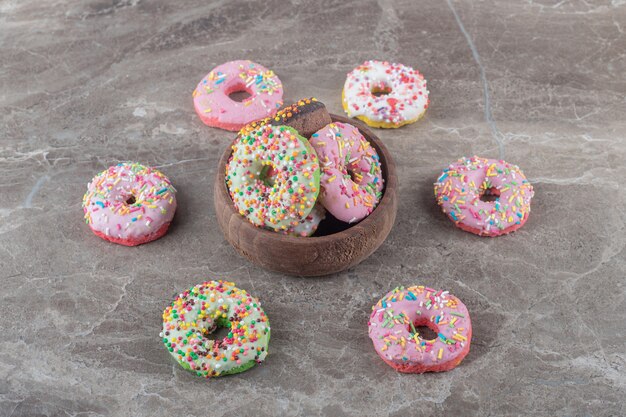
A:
(490, 195)
(426, 329)
(353, 177)
(239, 95)
(268, 175)
(219, 333)
(131, 200)
(380, 89)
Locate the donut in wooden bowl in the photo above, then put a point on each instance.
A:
(334, 247)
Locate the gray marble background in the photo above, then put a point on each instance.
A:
(85, 84)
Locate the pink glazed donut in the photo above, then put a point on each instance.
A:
(393, 330)
(352, 180)
(215, 107)
(129, 204)
(461, 188)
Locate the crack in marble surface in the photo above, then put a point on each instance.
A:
(497, 135)
(28, 202)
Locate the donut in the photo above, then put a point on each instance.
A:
(352, 180)
(196, 313)
(393, 329)
(307, 116)
(273, 177)
(214, 106)
(309, 224)
(404, 96)
(462, 188)
(129, 204)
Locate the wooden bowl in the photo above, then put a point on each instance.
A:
(316, 255)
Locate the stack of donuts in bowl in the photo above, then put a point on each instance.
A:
(287, 171)
(300, 190)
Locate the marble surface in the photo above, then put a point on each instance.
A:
(85, 84)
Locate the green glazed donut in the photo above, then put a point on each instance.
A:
(197, 312)
(273, 177)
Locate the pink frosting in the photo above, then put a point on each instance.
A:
(215, 107)
(460, 186)
(394, 319)
(352, 181)
(107, 207)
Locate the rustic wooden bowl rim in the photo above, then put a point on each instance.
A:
(388, 175)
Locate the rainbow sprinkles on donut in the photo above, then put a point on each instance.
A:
(196, 313)
(384, 94)
(214, 106)
(129, 204)
(396, 317)
(462, 187)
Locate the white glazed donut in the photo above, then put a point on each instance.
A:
(404, 99)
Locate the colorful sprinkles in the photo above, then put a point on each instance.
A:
(309, 224)
(212, 95)
(282, 115)
(197, 312)
(273, 177)
(460, 190)
(352, 181)
(404, 97)
(393, 329)
(129, 201)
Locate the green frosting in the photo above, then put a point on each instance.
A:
(273, 176)
(197, 312)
